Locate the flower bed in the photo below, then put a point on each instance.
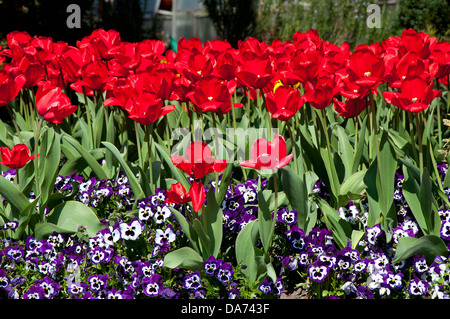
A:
(214, 172)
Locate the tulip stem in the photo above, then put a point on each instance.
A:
(294, 151)
(216, 146)
(36, 157)
(138, 144)
(88, 113)
(275, 189)
(411, 134)
(15, 123)
(419, 140)
(148, 131)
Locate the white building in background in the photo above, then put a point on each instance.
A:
(179, 19)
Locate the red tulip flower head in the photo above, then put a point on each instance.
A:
(268, 156)
(415, 95)
(177, 195)
(52, 104)
(211, 94)
(199, 161)
(15, 158)
(10, 86)
(197, 164)
(284, 102)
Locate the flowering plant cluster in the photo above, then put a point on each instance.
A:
(132, 171)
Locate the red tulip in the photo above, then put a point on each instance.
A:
(199, 161)
(10, 86)
(441, 58)
(415, 95)
(101, 42)
(177, 194)
(15, 158)
(351, 107)
(255, 73)
(284, 102)
(146, 108)
(33, 72)
(321, 93)
(267, 155)
(94, 76)
(52, 104)
(366, 69)
(211, 94)
(420, 43)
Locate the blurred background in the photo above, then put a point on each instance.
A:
(234, 20)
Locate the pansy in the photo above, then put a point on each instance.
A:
(15, 253)
(145, 269)
(394, 280)
(192, 281)
(161, 214)
(76, 288)
(152, 286)
(287, 216)
(132, 230)
(211, 264)
(373, 233)
(266, 286)
(417, 287)
(12, 225)
(420, 264)
(34, 292)
(97, 282)
(317, 272)
(4, 279)
(164, 238)
(51, 288)
(145, 212)
(445, 229)
(329, 261)
(225, 273)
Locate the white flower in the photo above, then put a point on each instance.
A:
(130, 231)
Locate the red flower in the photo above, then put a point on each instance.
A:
(199, 161)
(177, 194)
(52, 104)
(10, 86)
(351, 107)
(321, 93)
(255, 73)
(211, 94)
(415, 95)
(267, 155)
(146, 108)
(101, 42)
(33, 72)
(94, 76)
(366, 69)
(284, 102)
(15, 158)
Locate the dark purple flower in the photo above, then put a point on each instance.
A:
(15, 253)
(211, 265)
(12, 225)
(152, 286)
(225, 273)
(418, 287)
(317, 272)
(97, 282)
(192, 281)
(34, 292)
